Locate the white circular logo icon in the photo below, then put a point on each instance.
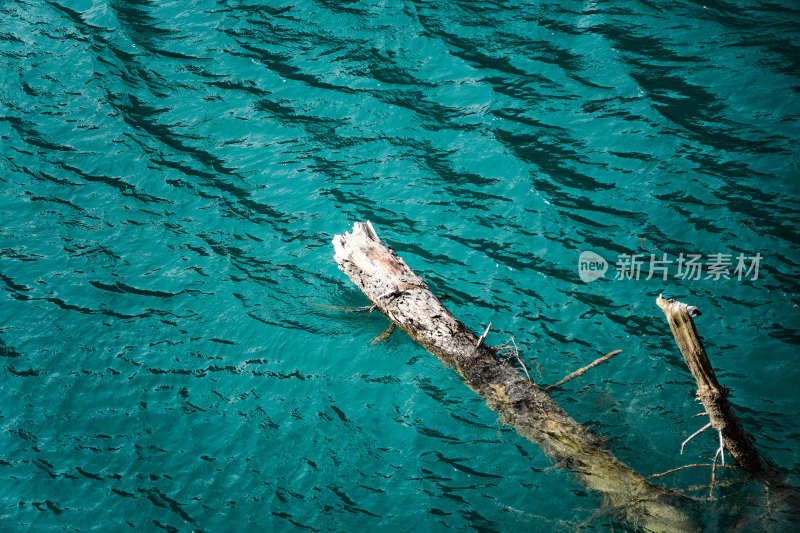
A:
(591, 266)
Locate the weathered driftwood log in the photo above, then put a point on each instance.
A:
(712, 395)
(405, 299)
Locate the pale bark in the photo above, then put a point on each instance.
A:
(711, 394)
(406, 300)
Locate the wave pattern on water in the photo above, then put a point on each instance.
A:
(172, 174)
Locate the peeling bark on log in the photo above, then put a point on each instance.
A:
(405, 299)
(712, 395)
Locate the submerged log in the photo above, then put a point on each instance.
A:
(712, 395)
(405, 299)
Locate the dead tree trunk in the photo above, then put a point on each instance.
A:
(712, 395)
(405, 299)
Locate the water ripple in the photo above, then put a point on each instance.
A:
(179, 349)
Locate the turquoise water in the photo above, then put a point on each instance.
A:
(173, 174)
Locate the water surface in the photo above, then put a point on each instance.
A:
(173, 174)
